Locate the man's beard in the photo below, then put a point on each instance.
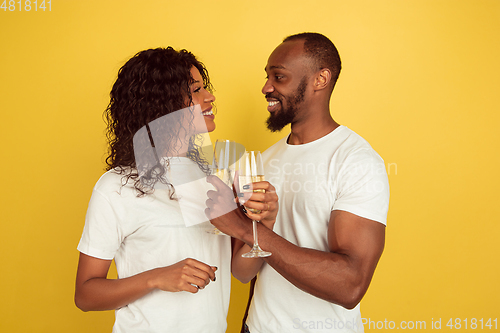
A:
(277, 120)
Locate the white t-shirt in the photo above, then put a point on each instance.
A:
(339, 171)
(149, 232)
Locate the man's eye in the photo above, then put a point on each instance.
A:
(276, 77)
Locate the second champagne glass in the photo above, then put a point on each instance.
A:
(223, 166)
(251, 170)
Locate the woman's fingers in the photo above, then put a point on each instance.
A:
(188, 275)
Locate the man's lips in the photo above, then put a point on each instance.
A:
(273, 104)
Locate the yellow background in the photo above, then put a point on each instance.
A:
(420, 82)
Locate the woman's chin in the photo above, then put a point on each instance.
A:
(210, 125)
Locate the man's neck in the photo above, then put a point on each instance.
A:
(312, 128)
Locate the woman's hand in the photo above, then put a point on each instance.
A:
(188, 275)
(223, 211)
(95, 292)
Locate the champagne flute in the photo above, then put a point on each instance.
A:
(224, 166)
(251, 170)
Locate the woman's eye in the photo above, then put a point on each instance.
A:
(197, 90)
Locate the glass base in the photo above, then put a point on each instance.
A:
(256, 252)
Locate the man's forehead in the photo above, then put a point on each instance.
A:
(286, 55)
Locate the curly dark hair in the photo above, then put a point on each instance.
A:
(152, 84)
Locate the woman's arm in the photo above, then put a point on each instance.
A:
(95, 292)
(245, 269)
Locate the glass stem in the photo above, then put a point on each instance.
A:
(255, 240)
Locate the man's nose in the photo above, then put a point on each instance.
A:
(268, 88)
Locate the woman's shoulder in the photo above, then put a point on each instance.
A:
(114, 180)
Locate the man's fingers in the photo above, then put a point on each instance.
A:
(256, 205)
(263, 185)
(270, 198)
(244, 197)
(255, 216)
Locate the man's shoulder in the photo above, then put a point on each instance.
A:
(346, 137)
(353, 144)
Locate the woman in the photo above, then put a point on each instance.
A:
(171, 277)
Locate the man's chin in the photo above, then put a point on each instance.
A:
(274, 124)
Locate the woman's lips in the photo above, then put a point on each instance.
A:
(208, 113)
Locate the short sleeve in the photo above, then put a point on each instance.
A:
(101, 236)
(362, 186)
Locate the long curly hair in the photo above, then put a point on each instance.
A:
(152, 84)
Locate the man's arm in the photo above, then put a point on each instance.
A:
(267, 203)
(341, 276)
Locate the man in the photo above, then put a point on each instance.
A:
(333, 200)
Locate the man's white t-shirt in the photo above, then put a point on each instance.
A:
(339, 171)
(142, 233)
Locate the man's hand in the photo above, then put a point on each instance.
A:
(266, 202)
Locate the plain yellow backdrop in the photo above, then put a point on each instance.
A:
(420, 82)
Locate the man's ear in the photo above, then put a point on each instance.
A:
(323, 78)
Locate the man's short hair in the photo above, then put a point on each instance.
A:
(321, 49)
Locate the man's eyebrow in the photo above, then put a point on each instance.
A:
(275, 67)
